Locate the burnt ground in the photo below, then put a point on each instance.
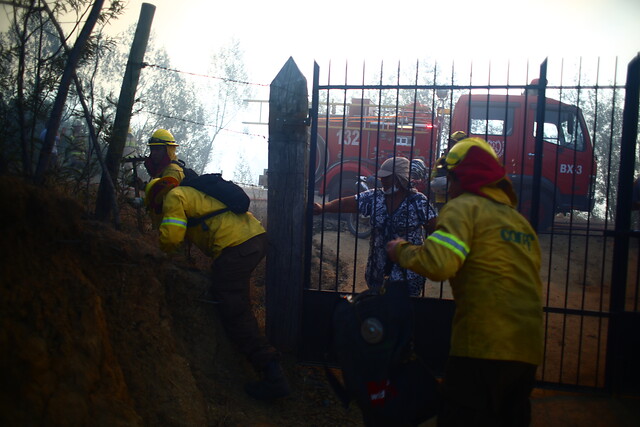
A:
(99, 327)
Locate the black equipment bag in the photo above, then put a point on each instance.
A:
(229, 193)
(373, 344)
(188, 172)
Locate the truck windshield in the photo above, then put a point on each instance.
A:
(562, 128)
(491, 120)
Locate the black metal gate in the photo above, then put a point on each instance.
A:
(567, 134)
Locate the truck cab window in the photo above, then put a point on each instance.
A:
(572, 132)
(562, 128)
(494, 120)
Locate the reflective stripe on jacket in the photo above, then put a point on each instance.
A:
(491, 257)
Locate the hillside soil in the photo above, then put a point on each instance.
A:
(98, 327)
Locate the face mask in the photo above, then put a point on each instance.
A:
(392, 190)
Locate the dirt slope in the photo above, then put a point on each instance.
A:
(98, 327)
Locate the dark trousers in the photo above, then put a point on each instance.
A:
(481, 392)
(231, 287)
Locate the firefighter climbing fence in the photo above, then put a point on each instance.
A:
(567, 135)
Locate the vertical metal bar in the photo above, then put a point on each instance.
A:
(444, 140)
(377, 150)
(586, 253)
(341, 175)
(325, 167)
(607, 187)
(555, 191)
(520, 183)
(506, 116)
(568, 272)
(486, 110)
(313, 116)
(636, 292)
(395, 114)
(361, 126)
(537, 162)
(535, 192)
(614, 374)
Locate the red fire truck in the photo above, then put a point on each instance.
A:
(356, 143)
(509, 124)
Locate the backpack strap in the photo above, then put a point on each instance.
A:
(200, 220)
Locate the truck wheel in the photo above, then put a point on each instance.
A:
(320, 158)
(349, 187)
(359, 226)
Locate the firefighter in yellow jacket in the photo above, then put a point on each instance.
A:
(491, 256)
(438, 184)
(162, 160)
(236, 243)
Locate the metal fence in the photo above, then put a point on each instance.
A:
(567, 134)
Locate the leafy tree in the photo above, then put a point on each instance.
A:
(603, 114)
(227, 91)
(155, 88)
(35, 53)
(172, 99)
(602, 109)
(243, 173)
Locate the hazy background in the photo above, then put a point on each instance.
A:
(272, 31)
(355, 31)
(339, 31)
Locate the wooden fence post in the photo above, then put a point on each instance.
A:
(123, 110)
(288, 149)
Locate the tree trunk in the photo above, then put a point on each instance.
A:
(61, 98)
(123, 111)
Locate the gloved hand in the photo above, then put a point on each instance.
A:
(391, 248)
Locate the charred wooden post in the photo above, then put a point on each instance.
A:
(288, 147)
(123, 111)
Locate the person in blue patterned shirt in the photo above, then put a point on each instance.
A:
(395, 210)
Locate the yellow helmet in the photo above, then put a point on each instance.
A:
(457, 136)
(459, 151)
(162, 137)
(155, 191)
(440, 168)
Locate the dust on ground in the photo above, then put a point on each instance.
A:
(98, 327)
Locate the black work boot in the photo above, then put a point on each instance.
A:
(272, 386)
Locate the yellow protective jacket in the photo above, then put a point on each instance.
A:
(491, 257)
(221, 231)
(173, 170)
